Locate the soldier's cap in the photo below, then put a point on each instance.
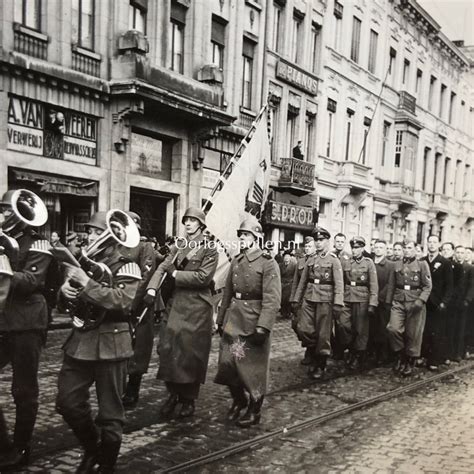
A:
(319, 233)
(308, 239)
(357, 242)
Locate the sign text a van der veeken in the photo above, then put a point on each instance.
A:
(50, 131)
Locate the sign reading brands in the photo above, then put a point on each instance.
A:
(297, 77)
(289, 215)
(54, 132)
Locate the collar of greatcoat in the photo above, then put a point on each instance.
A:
(251, 254)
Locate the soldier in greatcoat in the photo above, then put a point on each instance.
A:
(99, 355)
(23, 323)
(250, 302)
(320, 296)
(360, 302)
(309, 249)
(408, 292)
(185, 341)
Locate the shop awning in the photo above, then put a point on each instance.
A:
(58, 184)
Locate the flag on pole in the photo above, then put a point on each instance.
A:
(241, 192)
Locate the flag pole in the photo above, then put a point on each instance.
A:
(243, 144)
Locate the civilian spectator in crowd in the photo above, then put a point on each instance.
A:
(287, 272)
(297, 151)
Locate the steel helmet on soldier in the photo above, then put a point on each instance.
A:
(135, 218)
(251, 224)
(196, 214)
(98, 220)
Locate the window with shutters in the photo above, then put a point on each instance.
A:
(218, 40)
(355, 43)
(176, 37)
(83, 23)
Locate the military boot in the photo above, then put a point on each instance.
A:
(5, 443)
(320, 372)
(409, 366)
(399, 361)
(15, 459)
(307, 357)
(187, 408)
(108, 454)
(130, 398)
(168, 407)
(88, 435)
(240, 401)
(252, 415)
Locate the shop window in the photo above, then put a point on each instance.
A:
(151, 155)
(28, 13)
(83, 23)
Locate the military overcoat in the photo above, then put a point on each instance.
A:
(185, 342)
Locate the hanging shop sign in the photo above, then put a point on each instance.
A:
(281, 214)
(50, 131)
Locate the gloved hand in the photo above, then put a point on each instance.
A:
(295, 307)
(371, 310)
(170, 270)
(149, 298)
(259, 337)
(220, 330)
(336, 310)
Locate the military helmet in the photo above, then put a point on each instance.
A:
(98, 220)
(251, 224)
(135, 218)
(357, 242)
(196, 213)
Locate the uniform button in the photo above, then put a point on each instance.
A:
(115, 330)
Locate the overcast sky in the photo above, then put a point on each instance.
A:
(456, 17)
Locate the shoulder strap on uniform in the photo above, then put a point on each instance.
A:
(130, 270)
(267, 256)
(41, 246)
(333, 254)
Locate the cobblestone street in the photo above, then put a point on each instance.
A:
(436, 432)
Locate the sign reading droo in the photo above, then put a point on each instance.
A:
(289, 215)
(50, 131)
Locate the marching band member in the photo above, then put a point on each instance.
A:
(98, 356)
(24, 321)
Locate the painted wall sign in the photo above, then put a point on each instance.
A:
(289, 215)
(297, 77)
(50, 131)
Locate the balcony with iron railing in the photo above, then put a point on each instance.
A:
(30, 42)
(297, 176)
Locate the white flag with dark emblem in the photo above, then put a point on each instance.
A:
(242, 191)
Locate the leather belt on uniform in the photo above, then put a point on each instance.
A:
(356, 283)
(241, 296)
(318, 281)
(407, 287)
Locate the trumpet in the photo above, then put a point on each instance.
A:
(120, 229)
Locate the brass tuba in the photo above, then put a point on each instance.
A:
(23, 208)
(121, 229)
